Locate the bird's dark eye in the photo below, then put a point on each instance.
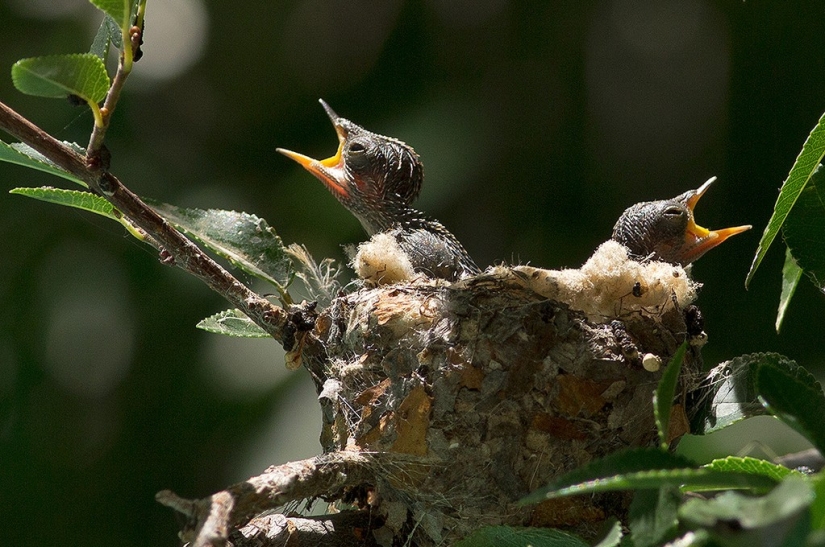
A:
(674, 211)
(356, 156)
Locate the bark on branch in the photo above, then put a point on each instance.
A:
(174, 246)
(214, 517)
(346, 529)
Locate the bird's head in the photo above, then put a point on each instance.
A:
(665, 229)
(371, 175)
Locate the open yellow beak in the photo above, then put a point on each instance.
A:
(700, 240)
(331, 170)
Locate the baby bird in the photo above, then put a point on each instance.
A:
(376, 178)
(664, 230)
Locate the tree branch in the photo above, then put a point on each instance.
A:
(184, 253)
(345, 529)
(213, 518)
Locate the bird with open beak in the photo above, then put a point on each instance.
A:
(376, 178)
(665, 230)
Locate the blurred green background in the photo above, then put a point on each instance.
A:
(538, 123)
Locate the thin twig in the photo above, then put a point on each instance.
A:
(186, 254)
(131, 41)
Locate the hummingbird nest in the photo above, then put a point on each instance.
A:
(446, 403)
(495, 385)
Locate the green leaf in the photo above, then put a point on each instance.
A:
(728, 394)
(737, 519)
(612, 535)
(23, 154)
(752, 466)
(641, 468)
(58, 76)
(737, 389)
(71, 198)
(81, 200)
(794, 396)
(232, 323)
(803, 168)
(665, 391)
(818, 506)
(245, 240)
(119, 10)
(653, 516)
(107, 33)
(804, 229)
(115, 33)
(791, 273)
(506, 536)
(620, 463)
